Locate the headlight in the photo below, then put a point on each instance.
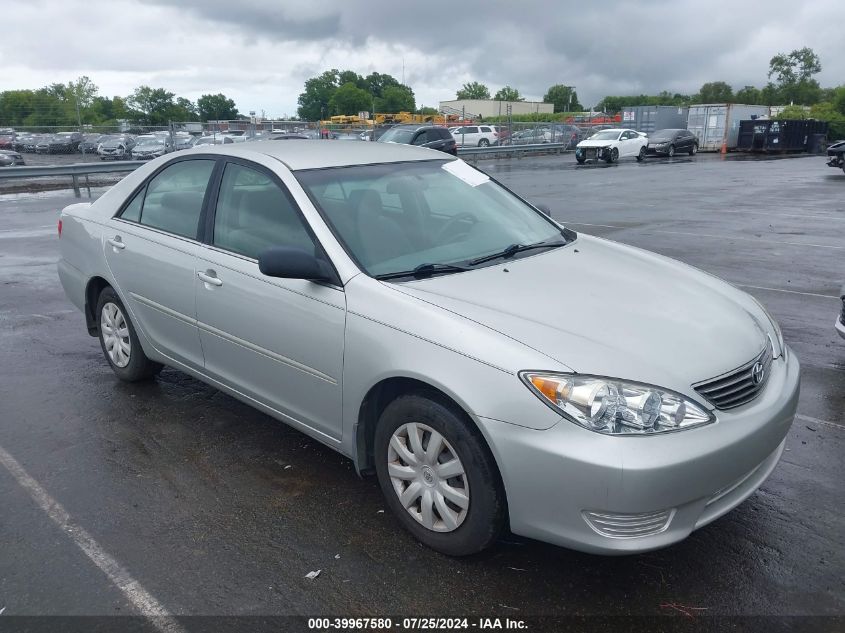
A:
(615, 407)
(777, 341)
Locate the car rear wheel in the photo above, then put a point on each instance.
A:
(484, 143)
(120, 342)
(613, 156)
(671, 151)
(641, 155)
(438, 476)
(693, 150)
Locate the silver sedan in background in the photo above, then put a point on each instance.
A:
(494, 369)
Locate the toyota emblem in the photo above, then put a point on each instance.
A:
(758, 372)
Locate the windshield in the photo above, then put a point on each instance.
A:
(397, 135)
(606, 135)
(398, 216)
(149, 142)
(662, 135)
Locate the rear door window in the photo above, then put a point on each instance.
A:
(174, 197)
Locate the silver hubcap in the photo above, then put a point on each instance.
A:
(428, 477)
(115, 332)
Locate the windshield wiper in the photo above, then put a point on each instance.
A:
(513, 249)
(424, 270)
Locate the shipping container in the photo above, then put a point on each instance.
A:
(779, 135)
(717, 124)
(652, 118)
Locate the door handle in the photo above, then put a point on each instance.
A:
(210, 277)
(116, 242)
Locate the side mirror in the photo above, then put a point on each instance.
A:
(292, 263)
(545, 209)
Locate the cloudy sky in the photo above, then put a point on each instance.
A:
(259, 52)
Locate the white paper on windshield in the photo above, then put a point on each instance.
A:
(470, 176)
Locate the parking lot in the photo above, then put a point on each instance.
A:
(216, 509)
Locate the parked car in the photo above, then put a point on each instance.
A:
(836, 152)
(611, 145)
(116, 148)
(670, 142)
(30, 142)
(840, 322)
(566, 133)
(8, 140)
(183, 141)
(42, 144)
(636, 402)
(90, 142)
(531, 136)
(217, 139)
(151, 146)
(65, 143)
(10, 158)
(476, 135)
(431, 136)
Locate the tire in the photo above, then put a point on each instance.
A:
(641, 155)
(484, 143)
(614, 155)
(456, 530)
(581, 161)
(671, 151)
(693, 150)
(129, 362)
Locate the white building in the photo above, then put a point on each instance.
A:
(489, 107)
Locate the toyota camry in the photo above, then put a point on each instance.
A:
(494, 369)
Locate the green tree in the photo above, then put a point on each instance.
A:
(82, 90)
(794, 75)
(16, 106)
(185, 110)
(793, 112)
(473, 90)
(828, 111)
(564, 98)
(396, 99)
(749, 95)
(428, 111)
(151, 105)
(508, 94)
(375, 83)
(349, 99)
(314, 100)
(216, 107)
(716, 92)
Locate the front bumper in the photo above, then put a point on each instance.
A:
(592, 153)
(840, 326)
(652, 150)
(566, 485)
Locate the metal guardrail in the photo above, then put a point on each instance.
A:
(556, 148)
(74, 170)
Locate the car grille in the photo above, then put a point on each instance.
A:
(739, 386)
(591, 152)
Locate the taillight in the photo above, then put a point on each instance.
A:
(60, 227)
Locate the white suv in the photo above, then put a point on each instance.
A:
(476, 135)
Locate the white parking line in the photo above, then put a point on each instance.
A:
(793, 292)
(807, 418)
(718, 237)
(142, 599)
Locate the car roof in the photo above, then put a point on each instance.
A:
(316, 153)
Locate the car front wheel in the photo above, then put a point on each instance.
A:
(438, 476)
(483, 143)
(613, 156)
(693, 150)
(641, 155)
(671, 151)
(120, 342)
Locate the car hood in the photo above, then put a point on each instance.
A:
(603, 308)
(591, 143)
(143, 149)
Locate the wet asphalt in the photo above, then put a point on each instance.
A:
(216, 509)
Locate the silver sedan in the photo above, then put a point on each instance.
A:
(494, 369)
